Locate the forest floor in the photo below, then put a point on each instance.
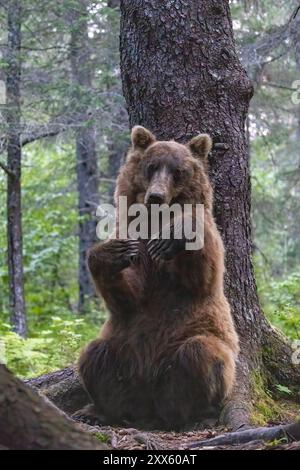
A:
(134, 439)
(268, 410)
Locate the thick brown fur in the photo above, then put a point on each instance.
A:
(166, 355)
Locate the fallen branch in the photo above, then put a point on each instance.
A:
(291, 432)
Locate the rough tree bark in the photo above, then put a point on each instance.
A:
(181, 76)
(30, 422)
(87, 167)
(14, 212)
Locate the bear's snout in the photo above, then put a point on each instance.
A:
(160, 188)
(155, 198)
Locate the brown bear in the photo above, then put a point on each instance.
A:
(166, 355)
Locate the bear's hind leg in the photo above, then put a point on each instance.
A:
(98, 370)
(119, 395)
(196, 381)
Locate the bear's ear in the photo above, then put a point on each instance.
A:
(141, 138)
(201, 145)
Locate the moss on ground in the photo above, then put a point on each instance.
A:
(268, 408)
(101, 437)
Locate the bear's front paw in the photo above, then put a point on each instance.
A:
(89, 415)
(165, 249)
(124, 252)
(113, 255)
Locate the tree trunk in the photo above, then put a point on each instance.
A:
(86, 157)
(113, 3)
(181, 76)
(295, 28)
(14, 213)
(30, 422)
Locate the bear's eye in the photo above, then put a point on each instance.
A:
(151, 169)
(177, 176)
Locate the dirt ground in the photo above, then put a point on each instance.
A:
(133, 439)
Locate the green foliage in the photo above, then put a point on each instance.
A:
(273, 127)
(277, 442)
(49, 187)
(275, 218)
(49, 233)
(265, 408)
(56, 333)
(281, 300)
(283, 389)
(50, 348)
(101, 437)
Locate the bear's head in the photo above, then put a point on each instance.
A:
(165, 172)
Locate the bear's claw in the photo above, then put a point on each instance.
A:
(164, 249)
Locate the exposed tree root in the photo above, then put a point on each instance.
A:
(63, 388)
(291, 432)
(235, 415)
(236, 412)
(148, 440)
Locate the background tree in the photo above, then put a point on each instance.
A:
(87, 165)
(13, 169)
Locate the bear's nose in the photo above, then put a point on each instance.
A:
(156, 198)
